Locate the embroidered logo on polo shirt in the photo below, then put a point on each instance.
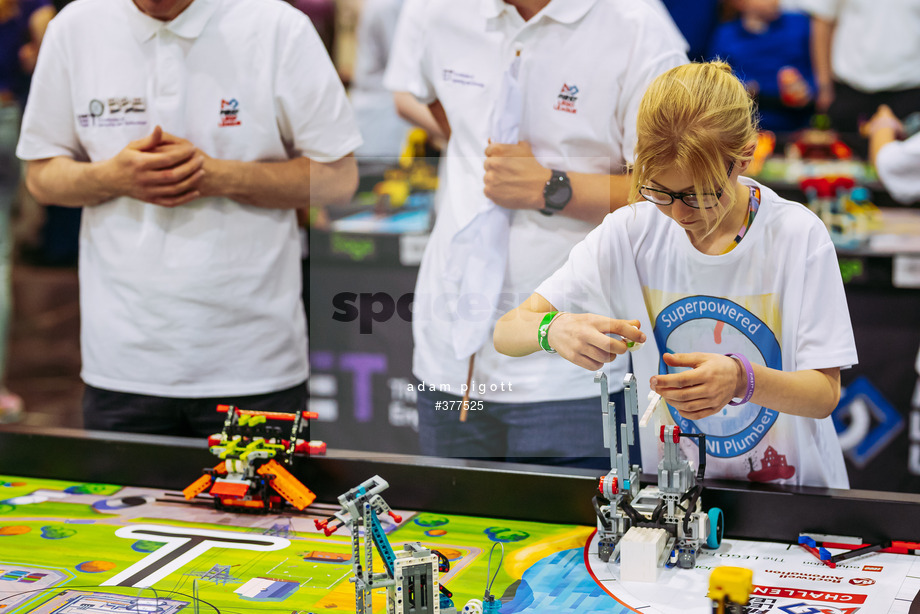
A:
(229, 112)
(115, 112)
(567, 98)
(460, 78)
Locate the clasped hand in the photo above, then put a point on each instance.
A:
(161, 169)
(711, 381)
(513, 177)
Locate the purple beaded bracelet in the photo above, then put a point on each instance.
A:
(749, 372)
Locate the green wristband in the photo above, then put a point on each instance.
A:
(543, 331)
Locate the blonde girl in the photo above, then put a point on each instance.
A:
(735, 291)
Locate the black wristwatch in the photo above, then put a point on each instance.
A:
(556, 193)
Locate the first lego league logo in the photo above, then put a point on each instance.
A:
(567, 98)
(229, 112)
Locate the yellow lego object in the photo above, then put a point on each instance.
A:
(766, 143)
(396, 191)
(414, 147)
(730, 586)
(251, 420)
(259, 445)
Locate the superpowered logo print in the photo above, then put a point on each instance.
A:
(719, 326)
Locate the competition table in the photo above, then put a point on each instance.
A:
(78, 508)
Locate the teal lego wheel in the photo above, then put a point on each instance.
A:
(716, 527)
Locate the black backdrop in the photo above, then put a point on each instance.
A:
(360, 379)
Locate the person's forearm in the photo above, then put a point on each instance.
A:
(38, 24)
(878, 138)
(516, 179)
(440, 118)
(515, 332)
(289, 184)
(65, 182)
(822, 33)
(811, 393)
(594, 196)
(418, 114)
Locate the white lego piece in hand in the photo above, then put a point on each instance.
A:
(654, 399)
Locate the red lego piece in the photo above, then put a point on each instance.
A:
(614, 484)
(229, 489)
(318, 447)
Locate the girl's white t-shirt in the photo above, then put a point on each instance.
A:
(777, 298)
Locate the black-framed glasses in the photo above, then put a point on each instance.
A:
(663, 198)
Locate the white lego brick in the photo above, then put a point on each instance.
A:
(409, 558)
(640, 553)
(653, 400)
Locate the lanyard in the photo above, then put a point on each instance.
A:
(753, 206)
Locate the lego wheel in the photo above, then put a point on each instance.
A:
(473, 606)
(716, 526)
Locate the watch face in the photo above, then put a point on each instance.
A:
(559, 193)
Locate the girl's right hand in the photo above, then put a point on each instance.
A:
(585, 338)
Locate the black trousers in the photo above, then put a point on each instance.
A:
(852, 107)
(108, 410)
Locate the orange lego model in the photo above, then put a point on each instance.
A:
(253, 473)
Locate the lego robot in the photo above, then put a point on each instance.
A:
(410, 576)
(673, 506)
(255, 454)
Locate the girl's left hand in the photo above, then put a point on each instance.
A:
(707, 387)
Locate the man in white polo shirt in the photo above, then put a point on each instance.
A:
(866, 53)
(189, 131)
(539, 98)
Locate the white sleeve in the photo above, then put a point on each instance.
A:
(652, 55)
(825, 334)
(582, 284)
(794, 6)
(375, 32)
(49, 125)
(314, 115)
(898, 166)
(672, 29)
(406, 67)
(825, 9)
